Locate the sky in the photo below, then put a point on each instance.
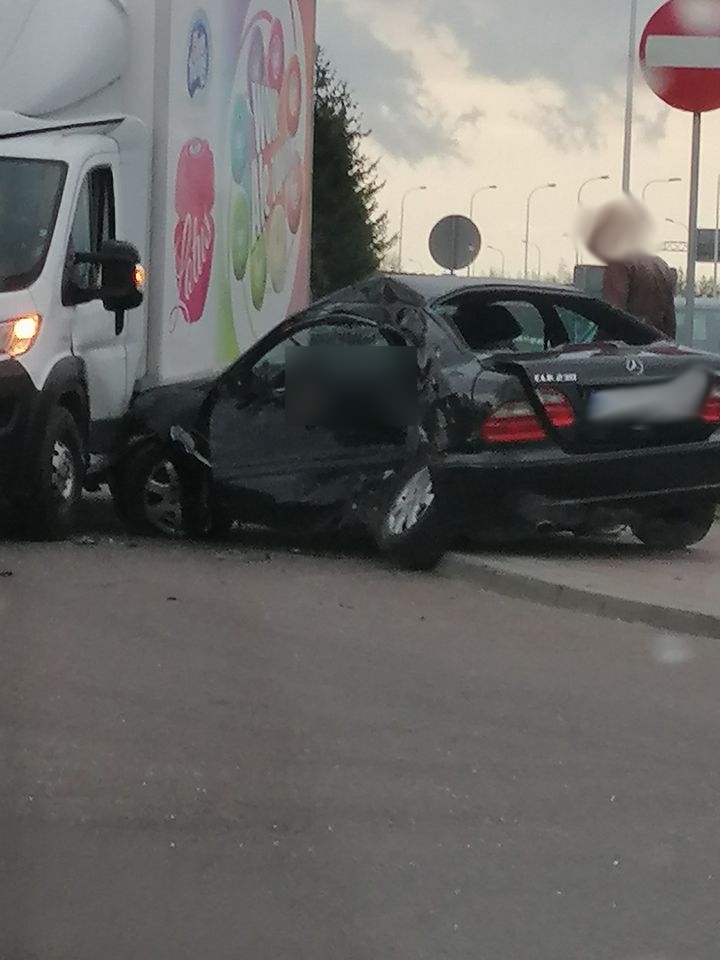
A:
(463, 94)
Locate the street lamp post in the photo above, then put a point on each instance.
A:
(651, 183)
(543, 186)
(402, 222)
(491, 186)
(630, 96)
(586, 183)
(716, 255)
(678, 223)
(539, 256)
(502, 257)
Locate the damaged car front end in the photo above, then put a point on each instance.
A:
(292, 439)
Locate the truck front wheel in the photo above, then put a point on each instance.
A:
(53, 509)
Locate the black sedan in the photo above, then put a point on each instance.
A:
(535, 408)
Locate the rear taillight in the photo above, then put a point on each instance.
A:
(517, 422)
(557, 407)
(711, 410)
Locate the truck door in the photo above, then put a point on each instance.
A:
(94, 336)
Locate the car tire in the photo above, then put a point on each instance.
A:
(411, 532)
(53, 509)
(148, 493)
(676, 529)
(156, 495)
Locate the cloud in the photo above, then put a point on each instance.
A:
(471, 118)
(576, 49)
(653, 129)
(390, 89)
(579, 47)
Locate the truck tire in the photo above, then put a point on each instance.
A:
(676, 529)
(411, 531)
(54, 506)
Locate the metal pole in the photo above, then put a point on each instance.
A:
(472, 211)
(402, 222)
(716, 256)
(539, 253)
(491, 186)
(527, 237)
(630, 96)
(692, 226)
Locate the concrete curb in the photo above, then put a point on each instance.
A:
(547, 593)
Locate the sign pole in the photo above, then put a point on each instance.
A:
(716, 254)
(454, 245)
(693, 226)
(630, 97)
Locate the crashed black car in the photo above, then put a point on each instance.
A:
(539, 408)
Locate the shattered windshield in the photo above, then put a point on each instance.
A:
(30, 193)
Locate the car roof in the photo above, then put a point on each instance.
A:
(433, 287)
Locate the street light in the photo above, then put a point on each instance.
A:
(492, 186)
(539, 256)
(678, 223)
(543, 186)
(402, 221)
(606, 176)
(502, 258)
(573, 241)
(650, 183)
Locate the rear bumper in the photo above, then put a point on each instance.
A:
(478, 484)
(18, 404)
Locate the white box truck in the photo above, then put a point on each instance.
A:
(166, 140)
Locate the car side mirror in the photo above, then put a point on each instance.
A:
(122, 279)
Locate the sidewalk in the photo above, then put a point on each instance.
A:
(619, 579)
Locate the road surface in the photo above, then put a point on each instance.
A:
(233, 753)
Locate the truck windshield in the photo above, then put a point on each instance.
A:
(30, 192)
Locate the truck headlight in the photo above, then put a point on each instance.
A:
(19, 334)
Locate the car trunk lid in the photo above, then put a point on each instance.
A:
(622, 396)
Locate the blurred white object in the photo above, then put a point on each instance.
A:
(672, 649)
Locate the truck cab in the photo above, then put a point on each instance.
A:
(68, 364)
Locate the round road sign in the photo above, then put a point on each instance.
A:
(680, 54)
(455, 242)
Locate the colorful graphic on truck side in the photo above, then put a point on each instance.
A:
(198, 60)
(194, 239)
(240, 142)
(267, 147)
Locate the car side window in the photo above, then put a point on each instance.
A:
(488, 325)
(270, 368)
(93, 224)
(532, 337)
(579, 328)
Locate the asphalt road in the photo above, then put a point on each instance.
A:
(247, 753)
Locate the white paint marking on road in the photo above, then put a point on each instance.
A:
(700, 53)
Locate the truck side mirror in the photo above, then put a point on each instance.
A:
(123, 278)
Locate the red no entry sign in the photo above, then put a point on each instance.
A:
(680, 54)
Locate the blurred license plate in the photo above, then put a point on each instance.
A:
(680, 399)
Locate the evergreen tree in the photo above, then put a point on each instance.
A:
(349, 237)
